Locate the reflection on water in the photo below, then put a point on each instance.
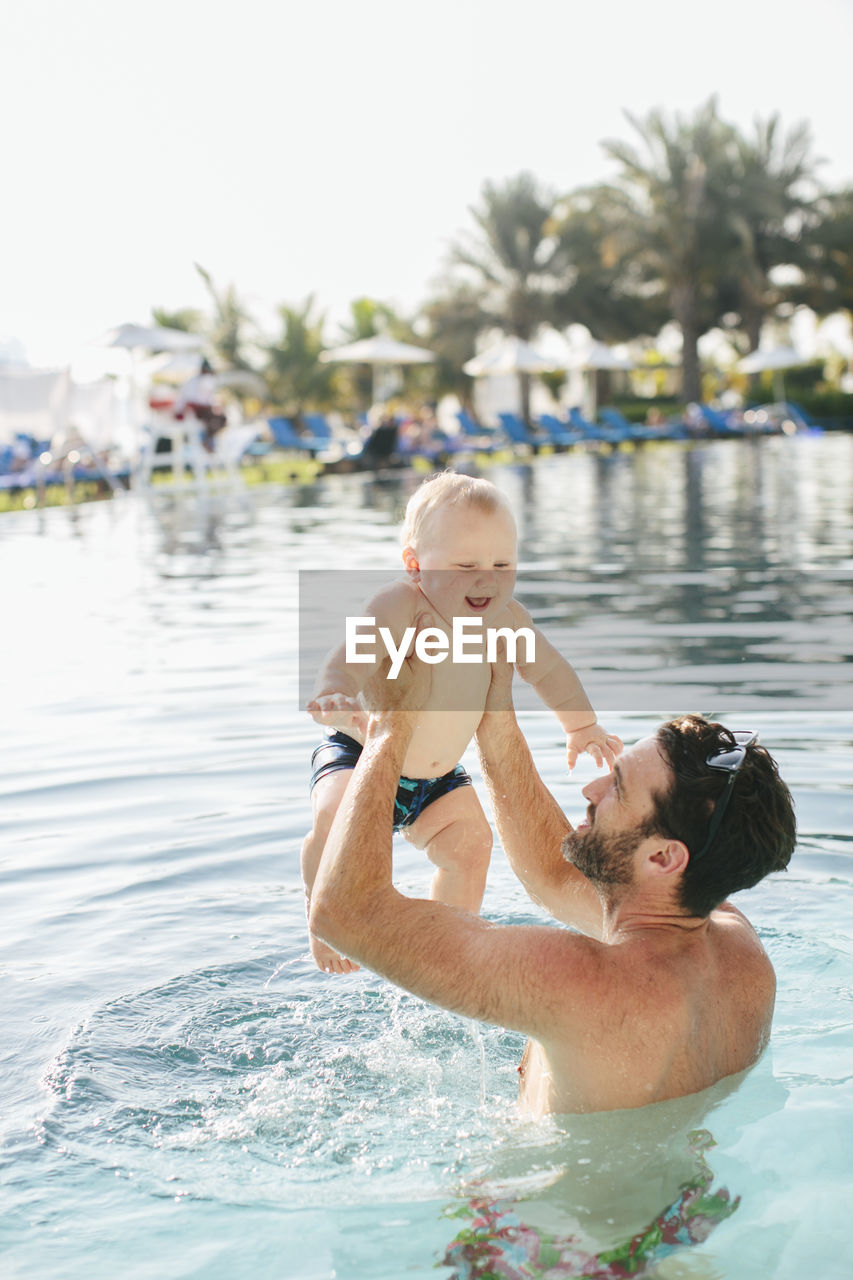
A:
(185, 1093)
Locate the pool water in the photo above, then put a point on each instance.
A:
(184, 1094)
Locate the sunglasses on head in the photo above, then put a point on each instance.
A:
(729, 759)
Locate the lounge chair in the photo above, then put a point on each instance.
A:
(287, 437)
(721, 424)
(617, 421)
(672, 429)
(318, 426)
(517, 432)
(474, 435)
(595, 430)
(801, 416)
(557, 432)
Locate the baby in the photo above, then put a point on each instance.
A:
(459, 552)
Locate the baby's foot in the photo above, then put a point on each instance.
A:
(328, 960)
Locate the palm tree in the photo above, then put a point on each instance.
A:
(187, 319)
(511, 261)
(669, 212)
(227, 330)
(605, 286)
(772, 201)
(294, 374)
(453, 319)
(827, 261)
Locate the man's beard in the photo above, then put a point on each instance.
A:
(606, 861)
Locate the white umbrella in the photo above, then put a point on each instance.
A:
(378, 351)
(597, 355)
(176, 367)
(150, 337)
(512, 355)
(135, 338)
(773, 359)
(591, 357)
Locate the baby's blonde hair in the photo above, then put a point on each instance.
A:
(447, 489)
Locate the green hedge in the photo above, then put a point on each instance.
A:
(636, 410)
(832, 407)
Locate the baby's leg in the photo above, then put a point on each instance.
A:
(458, 839)
(325, 799)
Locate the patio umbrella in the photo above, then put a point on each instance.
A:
(512, 355)
(140, 337)
(774, 360)
(380, 352)
(597, 355)
(176, 367)
(135, 338)
(591, 358)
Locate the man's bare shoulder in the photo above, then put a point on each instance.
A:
(727, 917)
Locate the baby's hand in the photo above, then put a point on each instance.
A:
(604, 747)
(338, 710)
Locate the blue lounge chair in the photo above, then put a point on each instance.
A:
(595, 430)
(617, 421)
(287, 437)
(720, 424)
(557, 432)
(318, 426)
(471, 427)
(672, 429)
(479, 438)
(517, 432)
(799, 413)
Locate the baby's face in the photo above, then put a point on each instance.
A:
(467, 561)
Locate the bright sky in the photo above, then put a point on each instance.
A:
(335, 148)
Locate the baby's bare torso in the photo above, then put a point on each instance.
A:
(449, 719)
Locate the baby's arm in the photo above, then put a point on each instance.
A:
(335, 701)
(557, 684)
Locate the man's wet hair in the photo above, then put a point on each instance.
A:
(758, 831)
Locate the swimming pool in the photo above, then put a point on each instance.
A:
(184, 1094)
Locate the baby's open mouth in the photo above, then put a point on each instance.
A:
(478, 602)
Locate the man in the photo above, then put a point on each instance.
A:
(666, 990)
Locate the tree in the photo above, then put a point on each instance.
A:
(369, 317)
(827, 284)
(603, 285)
(669, 214)
(187, 319)
(296, 378)
(511, 263)
(227, 330)
(452, 320)
(771, 206)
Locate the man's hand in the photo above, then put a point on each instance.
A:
(499, 697)
(405, 695)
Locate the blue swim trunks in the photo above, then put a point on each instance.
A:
(339, 751)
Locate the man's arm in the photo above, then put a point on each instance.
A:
(530, 823)
(536, 980)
